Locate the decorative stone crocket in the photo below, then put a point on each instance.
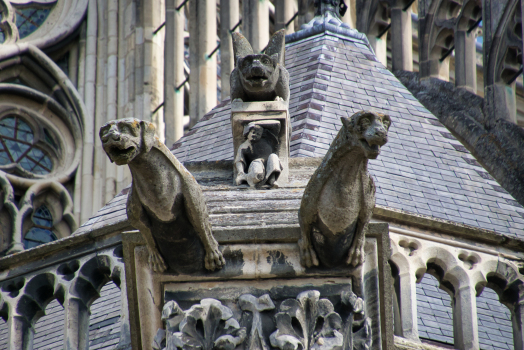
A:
(339, 199)
(165, 202)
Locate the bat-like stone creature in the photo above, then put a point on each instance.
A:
(259, 77)
(339, 199)
(165, 202)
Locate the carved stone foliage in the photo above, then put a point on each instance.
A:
(208, 325)
(307, 322)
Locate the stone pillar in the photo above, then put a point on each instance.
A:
(255, 23)
(76, 323)
(174, 72)
(465, 326)
(466, 60)
(20, 333)
(284, 11)
(517, 318)
(380, 46)
(408, 304)
(229, 17)
(501, 101)
(203, 40)
(401, 38)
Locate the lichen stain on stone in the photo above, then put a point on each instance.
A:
(279, 264)
(234, 262)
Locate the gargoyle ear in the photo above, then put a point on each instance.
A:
(348, 123)
(241, 46)
(148, 135)
(275, 58)
(277, 45)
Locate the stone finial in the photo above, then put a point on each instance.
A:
(339, 199)
(165, 202)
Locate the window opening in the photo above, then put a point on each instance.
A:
(41, 232)
(494, 320)
(29, 19)
(434, 312)
(16, 146)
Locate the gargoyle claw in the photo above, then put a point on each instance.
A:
(308, 257)
(156, 262)
(356, 255)
(214, 260)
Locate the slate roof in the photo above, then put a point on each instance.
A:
(423, 169)
(104, 323)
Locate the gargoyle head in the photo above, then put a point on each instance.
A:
(124, 139)
(369, 129)
(259, 72)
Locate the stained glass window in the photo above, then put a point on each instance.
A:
(41, 232)
(28, 19)
(16, 146)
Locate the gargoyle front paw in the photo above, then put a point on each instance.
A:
(214, 260)
(241, 177)
(278, 98)
(356, 254)
(238, 100)
(308, 257)
(156, 262)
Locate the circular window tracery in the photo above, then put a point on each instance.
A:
(17, 146)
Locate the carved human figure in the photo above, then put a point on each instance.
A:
(256, 161)
(165, 202)
(339, 199)
(259, 77)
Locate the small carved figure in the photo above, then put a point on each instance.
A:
(259, 77)
(339, 199)
(257, 156)
(165, 202)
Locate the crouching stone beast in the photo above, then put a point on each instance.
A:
(165, 202)
(339, 199)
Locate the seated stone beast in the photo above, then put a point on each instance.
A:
(165, 202)
(339, 199)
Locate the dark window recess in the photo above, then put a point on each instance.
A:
(41, 232)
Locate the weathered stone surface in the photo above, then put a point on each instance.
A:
(259, 77)
(496, 143)
(166, 203)
(339, 199)
(261, 132)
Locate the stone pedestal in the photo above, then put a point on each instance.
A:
(243, 113)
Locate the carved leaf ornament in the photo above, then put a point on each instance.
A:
(208, 326)
(308, 322)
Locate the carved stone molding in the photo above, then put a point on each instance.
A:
(307, 322)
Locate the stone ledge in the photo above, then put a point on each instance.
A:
(445, 226)
(405, 344)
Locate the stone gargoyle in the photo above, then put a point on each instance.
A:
(165, 202)
(339, 199)
(259, 77)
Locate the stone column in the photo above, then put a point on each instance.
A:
(408, 304)
(517, 318)
(284, 11)
(174, 72)
(380, 46)
(401, 38)
(229, 17)
(465, 326)
(20, 333)
(255, 23)
(76, 323)
(466, 60)
(202, 41)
